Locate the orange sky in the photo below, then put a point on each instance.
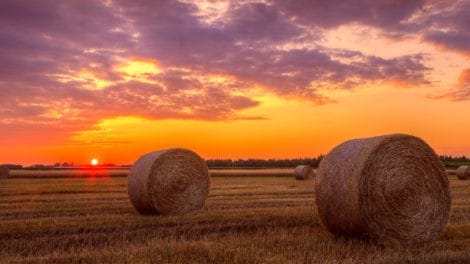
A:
(117, 103)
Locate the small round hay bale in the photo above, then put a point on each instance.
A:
(169, 181)
(392, 189)
(463, 172)
(4, 172)
(303, 172)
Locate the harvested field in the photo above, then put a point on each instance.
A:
(96, 173)
(69, 173)
(245, 220)
(276, 172)
(85, 173)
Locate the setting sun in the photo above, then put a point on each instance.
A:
(94, 162)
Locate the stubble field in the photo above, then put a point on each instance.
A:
(246, 220)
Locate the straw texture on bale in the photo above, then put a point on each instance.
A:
(4, 172)
(392, 189)
(303, 172)
(463, 172)
(169, 181)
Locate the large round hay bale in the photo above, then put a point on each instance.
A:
(303, 172)
(391, 189)
(463, 172)
(4, 172)
(168, 181)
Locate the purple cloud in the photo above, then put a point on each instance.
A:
(258, 22)
(448, 25)
(329, 14)
(52, 52)
(232, 47)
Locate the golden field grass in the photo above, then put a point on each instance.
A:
(246, 220)
(123, 172)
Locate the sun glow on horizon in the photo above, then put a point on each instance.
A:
(94, 162)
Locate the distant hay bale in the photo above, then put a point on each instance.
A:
(4, 172)
(391, 189)
(303, 172)
(463, 172)
(168, 181)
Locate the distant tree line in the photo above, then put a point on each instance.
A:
(449, 161)
(64, 164)
(448, 158)
(13, 166)
(454, 162)
(263, 163)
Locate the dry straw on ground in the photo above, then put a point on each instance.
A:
(4, 172)
(463, 172)
(392, 189)
(451, 172)
(303, 172)
(168, 181)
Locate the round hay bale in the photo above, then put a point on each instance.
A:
(168, 182)
(303, 172)
(392, 189)
(4, 172)
(463, 172)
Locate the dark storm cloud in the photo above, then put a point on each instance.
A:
(43, 44)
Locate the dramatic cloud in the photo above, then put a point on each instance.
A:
(69, 64)
(246, 46)
(258, 22)
(444, 23)
(447, 24)
(327, 14)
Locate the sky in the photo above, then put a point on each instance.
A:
(113, 80)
